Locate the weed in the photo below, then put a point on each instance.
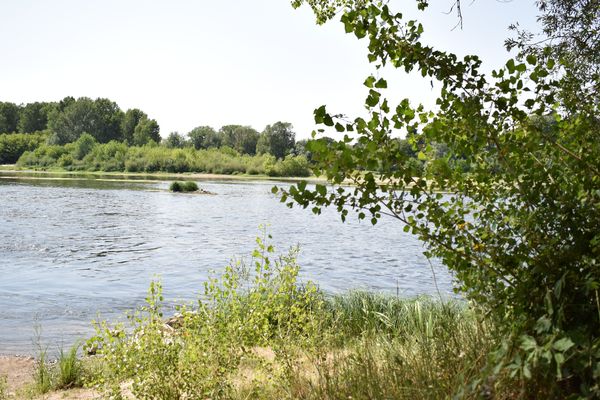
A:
(69, 369)
(42, 372)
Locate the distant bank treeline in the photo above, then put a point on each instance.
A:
(96, 135)
(86, 134)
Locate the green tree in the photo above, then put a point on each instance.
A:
(204, 137)
(71, 119)
(12, 146)
(108, 118)
(130, 121)
(33, 117)
(175, 141)
(101, 118)
(521, 230)
(227, 133)
(240, 138)
(9, 117)
(245, 139)
(278, 139)
(146, 131)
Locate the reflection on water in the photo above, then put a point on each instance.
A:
(70, 249)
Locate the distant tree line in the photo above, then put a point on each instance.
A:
(23, 128)
(67, 120)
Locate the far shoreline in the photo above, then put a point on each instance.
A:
(17, 172)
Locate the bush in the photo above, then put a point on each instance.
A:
(204, 358)
(13, 146)
(187, 186)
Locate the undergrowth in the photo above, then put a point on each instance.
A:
(259, 332)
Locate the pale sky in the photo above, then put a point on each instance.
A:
(197, 62)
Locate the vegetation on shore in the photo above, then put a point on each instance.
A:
(258, 332)
(87, 155)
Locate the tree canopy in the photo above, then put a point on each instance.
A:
(277, 139)
(521, 228)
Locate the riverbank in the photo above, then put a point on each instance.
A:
(17, 382)
(12, 169)
(355, 345)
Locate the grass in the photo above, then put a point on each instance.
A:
(69, 369)
(66, 373)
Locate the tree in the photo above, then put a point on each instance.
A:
(245, 139)
(146, 131)
(204, 137)
(71, 119)
(9, 117)
(175, 141)
(521, 229)
(130, 121)
(100, 118)
(240, 138)
(33, 117)
(277, 139)
(108, 118)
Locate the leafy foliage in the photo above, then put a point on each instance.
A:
(12, 146)
(87, 155)
(277, 139)
(9, 117)
(520, 229)
(238, 312)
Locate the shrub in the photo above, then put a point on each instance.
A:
(204, 357)
(12, 146)
(190, 186)
(187, 186)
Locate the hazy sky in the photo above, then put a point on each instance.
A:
(197, 62)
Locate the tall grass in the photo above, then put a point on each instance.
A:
(67, 372)
(69, 369)
(389, 347)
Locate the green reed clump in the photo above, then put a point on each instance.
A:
(187, 186)
(70, 370)
(389, 347)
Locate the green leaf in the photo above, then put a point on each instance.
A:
(528, 343)
(563, 344)
(510, 65)
(381, 84)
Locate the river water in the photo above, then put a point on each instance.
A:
(73, 249)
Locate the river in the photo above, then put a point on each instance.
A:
(73, 249)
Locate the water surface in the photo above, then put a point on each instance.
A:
(73, 248)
